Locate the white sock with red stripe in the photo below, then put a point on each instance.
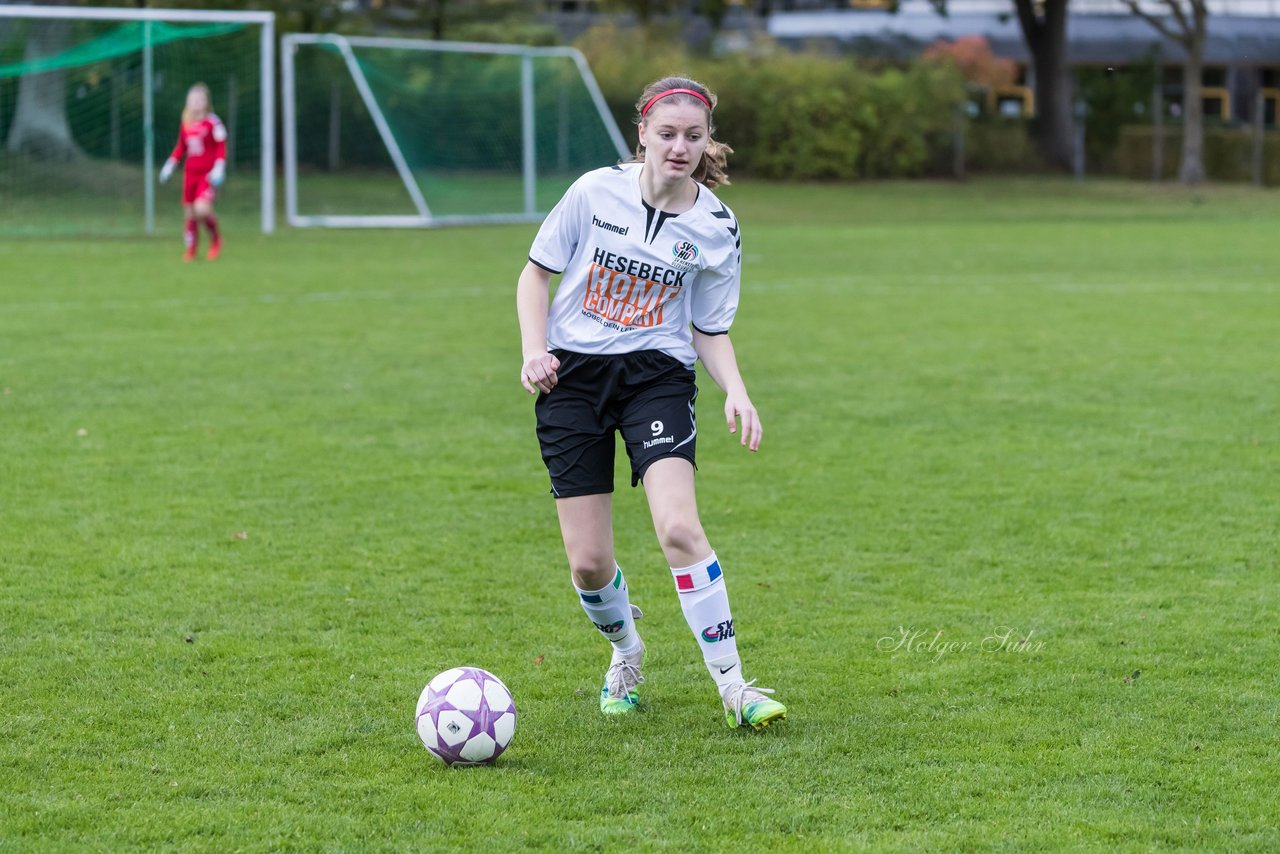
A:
(705, 603)
(609, 610)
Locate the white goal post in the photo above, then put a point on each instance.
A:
(149, 16)
(423, 123)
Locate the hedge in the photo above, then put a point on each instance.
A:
(796, 116)
(1228, 154)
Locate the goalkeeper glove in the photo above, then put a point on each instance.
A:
(167, 169)
(218, 173)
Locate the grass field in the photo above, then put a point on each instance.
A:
(106, 199)
(248, 508)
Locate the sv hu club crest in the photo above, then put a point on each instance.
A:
(683, 250)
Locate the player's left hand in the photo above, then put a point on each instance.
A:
(739, 406)
(218, 173)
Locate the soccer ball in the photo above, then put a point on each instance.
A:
(466, 716)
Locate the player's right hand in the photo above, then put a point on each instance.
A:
(167, 169)
(539, 373)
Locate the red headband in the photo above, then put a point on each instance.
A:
(701, 97)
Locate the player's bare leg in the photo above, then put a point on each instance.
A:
(204, 213)
(586, 524)
(669, 486)
(190, 233)
(673, 503)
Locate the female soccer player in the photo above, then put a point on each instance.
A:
(203, 140)
(650, 261)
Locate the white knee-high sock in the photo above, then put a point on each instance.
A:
(610, 611)
(705, 603)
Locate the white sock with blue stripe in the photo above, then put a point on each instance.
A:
(705, 603)
(610, 611)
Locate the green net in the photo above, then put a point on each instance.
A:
(73, 137)
(456, 118)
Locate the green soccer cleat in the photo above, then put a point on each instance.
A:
(618, 694)
(747, 706)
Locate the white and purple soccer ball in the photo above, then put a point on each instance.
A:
(466, 716)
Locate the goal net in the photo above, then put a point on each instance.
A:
(90, 106)
(403, 132)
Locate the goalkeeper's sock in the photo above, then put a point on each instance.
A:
(609, 610)
(211, 223)
(705, 603)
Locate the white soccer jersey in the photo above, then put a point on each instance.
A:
(636, 278)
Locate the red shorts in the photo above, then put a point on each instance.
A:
(196, 187)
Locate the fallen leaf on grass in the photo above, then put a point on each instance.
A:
(1132, 677)
(539, 659)
(240, 535)
(82, 432)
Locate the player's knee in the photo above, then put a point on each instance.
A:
(681, 535)
(592, 575)
(592, 565)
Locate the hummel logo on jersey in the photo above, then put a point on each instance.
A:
(608, 226)
(608, 628)
(718, 632)
(723, 213)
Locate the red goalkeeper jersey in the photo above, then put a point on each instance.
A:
(203, 143)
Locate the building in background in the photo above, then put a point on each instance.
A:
(1242, 53)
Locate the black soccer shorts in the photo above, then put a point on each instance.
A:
(648, 396)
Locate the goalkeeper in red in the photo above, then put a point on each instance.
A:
(650, 263)
(202, 140)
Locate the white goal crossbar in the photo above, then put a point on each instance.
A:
(424, 217)
(267, 64)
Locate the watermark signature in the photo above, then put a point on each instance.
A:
(933, 644)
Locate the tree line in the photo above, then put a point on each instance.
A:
(1043, 24)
